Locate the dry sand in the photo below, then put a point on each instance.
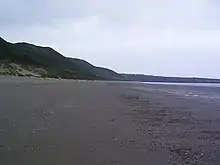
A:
(51, 122)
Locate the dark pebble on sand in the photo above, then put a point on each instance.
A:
(25, 148)
(132, 141)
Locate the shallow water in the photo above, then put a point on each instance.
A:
(186, 90)
(187, 84)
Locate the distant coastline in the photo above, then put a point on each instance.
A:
(161, 79)
(24, 59)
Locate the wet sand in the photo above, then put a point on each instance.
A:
(54, 122)
(182, 120)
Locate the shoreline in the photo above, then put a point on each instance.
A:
(25, 77)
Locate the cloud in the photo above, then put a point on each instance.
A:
(172, 37)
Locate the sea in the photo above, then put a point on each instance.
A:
(187, 90)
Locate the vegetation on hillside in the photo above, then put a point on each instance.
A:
(55, 64)
(23, 59)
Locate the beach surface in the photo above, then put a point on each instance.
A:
(54, 122)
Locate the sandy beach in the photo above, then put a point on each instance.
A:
(54, 122)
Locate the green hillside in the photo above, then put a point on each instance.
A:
(25, 59)
(55, 64)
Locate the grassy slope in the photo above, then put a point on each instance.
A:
(56, 64)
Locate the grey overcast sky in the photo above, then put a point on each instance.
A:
(159, 37)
